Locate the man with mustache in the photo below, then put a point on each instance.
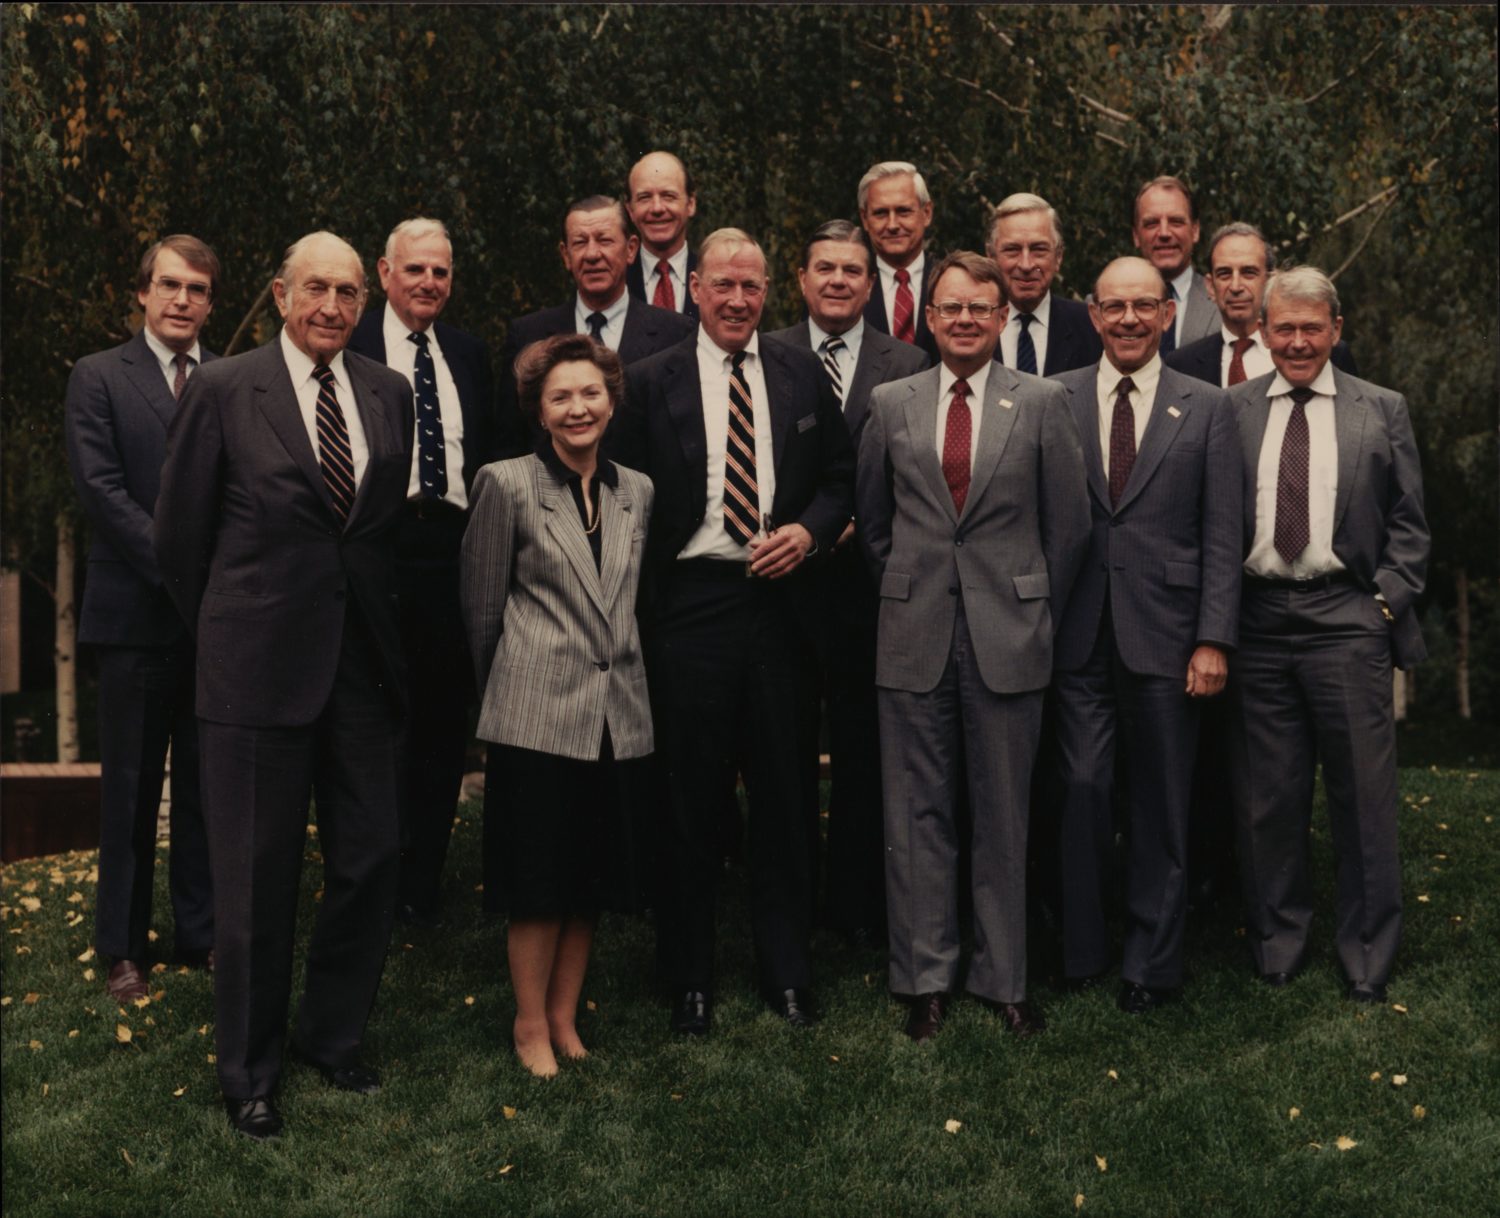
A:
(662, 199)
(449, 372)
(1165, 230)
(118, 406)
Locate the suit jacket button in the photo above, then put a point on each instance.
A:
(602, 665)
(958, 541)
(952, 591)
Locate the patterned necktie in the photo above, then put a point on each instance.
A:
(595, 323)
(1025, 348)
(831, 347)
(334, 454)
(1237, 360)
(956, 440)
(741, 499)
(664, 297)
(1293, 530)
(179, 382)
(1121, 442)
(1169, 335)
(901, 315)
(431, 463)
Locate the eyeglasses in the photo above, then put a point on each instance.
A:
(167, 289)
(979, 310)
(1113, 310)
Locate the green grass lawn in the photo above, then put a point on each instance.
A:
(1233, 1102)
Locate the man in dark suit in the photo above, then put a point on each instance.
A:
(1165, 229)
(750, 456)
(118, 406)
(1240, 262)
(449, 372)
(597, 248)
(896, 212)
(836, 275)
(1147, 630)
(662, 199)
(1336, 547)
(1044, 332)
(973, 514)
(286, 474)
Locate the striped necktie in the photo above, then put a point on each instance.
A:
(741, 498)
(334, 453)
(832, 345)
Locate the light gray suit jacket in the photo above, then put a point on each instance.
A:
(1380, 529)
(1200, 314)
(1014, 551)
(556, 651)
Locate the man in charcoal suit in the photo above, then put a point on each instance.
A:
(286, 474)
(896, 212)
(449, 372)
(118, 407)
(1336, 546)
(1147, 630)
(1165, 229)
(836, 275)
(973, 513)
(662, 199)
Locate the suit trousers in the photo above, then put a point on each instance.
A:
(731, 673)
(145, 703)
(1312, 681)
(1101, 708)
(927, 741)
(257, 781)
(440, 684)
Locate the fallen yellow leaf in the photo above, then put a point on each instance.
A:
(29, 886)
(179, 1093)
(508, 1113)
(1114, 1076)
(152, 936)
(1344, 1142)
(833, 1057)
(6, 1001)
(1418, 1112)
(1423, 898)
(86, 957)
(1375, 1076)
(125, 1154)
(1398, 1080)
(72, 1033)
(88, 974)
(203, 1031)
(212, 1058)
(676, 1095)
(1077, 1201)
(158, 967)
(123, 1033)
(30, 904)
(32, 999)
(141, 1003)
(1398, 1008)
(506, 1170)
(34, 1045)
(591, 1005)
(23, 950)
(469, 1001)
(1293, 1113)
(1101, 1162)
(952, 1126)
(75, 898)
(1441, 825)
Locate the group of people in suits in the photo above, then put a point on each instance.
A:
(960, 512)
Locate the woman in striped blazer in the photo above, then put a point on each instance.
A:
(551, 564)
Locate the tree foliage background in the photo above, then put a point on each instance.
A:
(1361, 139)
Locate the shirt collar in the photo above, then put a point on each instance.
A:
(398, 334)
(301, 365)
(604, 472)
(1042, 313)
(165, 356)
(977, 382)
(1230, 337)
(707, 346)
(912, 268)
(1323, 384)
(612, 313)
(852, 336)
(1183, 285)
(1143, 378)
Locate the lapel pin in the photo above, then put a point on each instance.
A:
(1174, 412)
(1007, 403)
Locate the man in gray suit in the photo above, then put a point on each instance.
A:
(973, 512)
(838, 269)
(1165, 229)
(286, 472)
(118, 406)
(1147, 630)
(1336, 547)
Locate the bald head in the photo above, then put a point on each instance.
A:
(661, 200)
(320, 290)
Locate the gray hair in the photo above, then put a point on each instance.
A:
(1240, 228)
(415, 229)
(1019, 204)
(731, 237)
(294, 251)
(891, 169)
(1304, 283)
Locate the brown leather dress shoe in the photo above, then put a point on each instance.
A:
(926, 1016)
(127, 981)
(1022, 1018)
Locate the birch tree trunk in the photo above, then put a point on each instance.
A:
(65, 644)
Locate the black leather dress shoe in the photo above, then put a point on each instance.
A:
(794, 1006)
(254, 1118)
(356, 1078)
(1138, 999)
(926, 1017)
(1373, 994)
(691, 1013)
(1023, 1018)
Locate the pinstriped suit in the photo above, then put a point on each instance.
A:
(556, 651)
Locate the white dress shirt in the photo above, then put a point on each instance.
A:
(946, 380)
(1257, 358)
(166, 357)
(677, 271)
(401, 354)
(300, 365)
(888, 287)
(847, 359)
(1322, 483)
(712, 540)
(1142, 396)
(1182, 285)
(1010, 337)
(613, 329)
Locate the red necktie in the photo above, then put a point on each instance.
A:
(902, 314)
(664, 298)
(956, 445)
(179, 382)
(1293, 530)
(1121, 442)
(1237, 361)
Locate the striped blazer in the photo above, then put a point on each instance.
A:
(556, 651)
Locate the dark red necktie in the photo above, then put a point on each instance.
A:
(1121, 442)
(904, 311)
(664, 297)
(179, 382)
(956, 437)
(1237, 360)
(1293, 529)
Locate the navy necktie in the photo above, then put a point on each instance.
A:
(1169, 335)
(432, 466)
(595, 322)
(1025, 348)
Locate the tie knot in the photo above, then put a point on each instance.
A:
(663, 268)
(832, 344)
(903, 277)
(183, 360)
(1241, 345)
(324, 376)
(1126, 386)
(1171, 291)
(1026, 320)
(737, 362)
(960, 389)
(419, 337)
(1302, 396)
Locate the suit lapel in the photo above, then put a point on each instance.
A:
(1254, 414)
(995, 425)
(1349, 414)
(617, 525)
(1162, 427)
(920, 411)
(278, 403)
(634, 331)
(869, 372)
(142, 370)
(1084, 402)
(684, 398)
(567, 530)
(779, 402)
(374, 416)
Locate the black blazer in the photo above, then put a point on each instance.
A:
(635, 281)
(1072, 341)
(875, 311)
(115, 418)
(250, 546)
(1203, 360)
(659, 430)
(469, 363)
(647, 330)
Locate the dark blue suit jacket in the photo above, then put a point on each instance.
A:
(635, 282)
(875, 310)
